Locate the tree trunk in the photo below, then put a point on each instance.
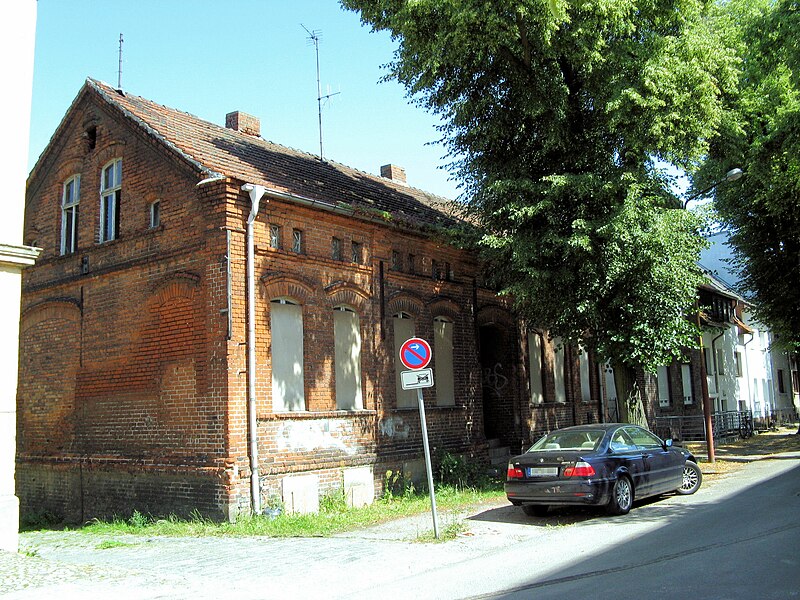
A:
(630, 396)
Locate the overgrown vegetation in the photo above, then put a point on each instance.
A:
(460, 484)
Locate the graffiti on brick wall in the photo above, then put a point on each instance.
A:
(394, 427)
(322, 434)
(493, 378)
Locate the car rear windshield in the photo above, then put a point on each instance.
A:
(569, 440)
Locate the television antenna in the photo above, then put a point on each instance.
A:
(314, 37)
(119, 72)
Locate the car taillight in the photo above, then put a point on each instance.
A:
(514, 472)
(580, 469)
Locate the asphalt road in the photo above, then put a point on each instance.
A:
(738, 537)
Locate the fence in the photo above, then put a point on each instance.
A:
(728, 424)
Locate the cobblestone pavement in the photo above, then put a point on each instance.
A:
(68, 565)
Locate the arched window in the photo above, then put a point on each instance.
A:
(443, 361)
(110, 197)
(347, 358)
(70, 199)
(286, 326)
(404, 329)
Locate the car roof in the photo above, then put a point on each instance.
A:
(595, 427)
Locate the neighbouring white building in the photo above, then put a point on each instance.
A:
(17, 36)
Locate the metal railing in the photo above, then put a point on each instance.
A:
(727, 424)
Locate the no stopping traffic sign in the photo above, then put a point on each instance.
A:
(415, 353)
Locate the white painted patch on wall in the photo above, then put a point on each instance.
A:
(394, 427)
(320, 434)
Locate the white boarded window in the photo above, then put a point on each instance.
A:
(558, 351)
(286, 326)
(347, 343)
(662, 376)
(443, 361)
(686, 380)
(586, 388)
(403, 330)
(535, 357)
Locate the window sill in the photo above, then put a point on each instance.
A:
(322, 414)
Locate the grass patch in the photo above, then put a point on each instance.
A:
(334, 517)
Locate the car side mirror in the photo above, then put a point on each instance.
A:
(668, 443)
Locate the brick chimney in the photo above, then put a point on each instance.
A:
(394, 173)
(241, 121)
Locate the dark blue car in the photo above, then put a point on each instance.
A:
(610, 465)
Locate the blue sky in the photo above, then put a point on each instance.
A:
(211, 57)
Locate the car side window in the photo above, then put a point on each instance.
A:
(620, 442)
(643, 438)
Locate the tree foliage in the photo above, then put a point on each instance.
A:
(556, 114)
(761, 135)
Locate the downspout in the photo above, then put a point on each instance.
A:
(256, 192)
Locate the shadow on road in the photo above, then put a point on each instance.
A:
(742, 546)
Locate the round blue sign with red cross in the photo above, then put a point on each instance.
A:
(415, 353)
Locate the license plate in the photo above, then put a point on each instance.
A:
(541, 471)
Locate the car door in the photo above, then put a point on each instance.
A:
(627, 455)
(662, 471)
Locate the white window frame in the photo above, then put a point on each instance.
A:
(155, 214)
(69, 214)
(662, 377)
(536, 367)
(559, 368)
(110, 196)
(586, 386)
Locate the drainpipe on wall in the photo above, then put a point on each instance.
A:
(256, 192)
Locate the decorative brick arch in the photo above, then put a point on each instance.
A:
(277, 285)
(63, 309)
(405, 302)
(493, 314)
(443, 306)
(179, 285)
(343, 292)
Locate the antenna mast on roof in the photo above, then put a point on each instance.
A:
(314, 37)
(119, 72)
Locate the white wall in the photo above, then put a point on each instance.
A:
(17, 36)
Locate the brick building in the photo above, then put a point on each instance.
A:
(140, 370)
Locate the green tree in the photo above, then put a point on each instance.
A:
(761, 134)
(556, 114)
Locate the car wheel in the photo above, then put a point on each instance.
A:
(621, 497)
(535, 510)
(692, 478)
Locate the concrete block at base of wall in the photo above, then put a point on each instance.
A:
(300, 494)
(9, 523)
(416, 472)
(359, 486)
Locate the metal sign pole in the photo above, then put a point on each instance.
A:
(428, 467)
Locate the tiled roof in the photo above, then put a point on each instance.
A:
(215, 150)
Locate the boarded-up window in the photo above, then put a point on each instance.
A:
(558, 351)
(663, 386)
(686, 380)
(535, 357)
(443, 357)
(286, 325)
(586, 388)
(403, 330)
(347, 342)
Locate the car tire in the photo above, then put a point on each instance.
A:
(621, 497)
(692, 478)
(535, 510)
